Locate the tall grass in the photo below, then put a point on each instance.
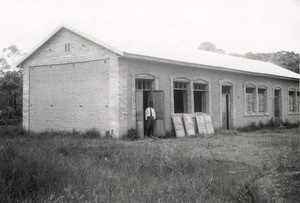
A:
(62, 167)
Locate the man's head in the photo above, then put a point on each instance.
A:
(151, 104)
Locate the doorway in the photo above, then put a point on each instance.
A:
(226, 107)
(142, 99)
(143, 89)
(147, 97)
(277, 107)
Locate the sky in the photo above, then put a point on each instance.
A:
(236, 26)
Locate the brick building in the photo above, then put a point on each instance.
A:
(72, 80)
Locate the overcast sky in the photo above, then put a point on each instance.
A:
(236, 26)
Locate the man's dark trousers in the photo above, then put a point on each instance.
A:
(150, 126)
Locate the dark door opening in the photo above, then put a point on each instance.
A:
(226, 107)
(277, 106)
(199, 101)
(146, 100)
(179, 101)
(227, 112)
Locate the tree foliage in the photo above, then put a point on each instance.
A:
(4, 65)
(209, 46)
(11, 89)
(285, 59)
(13, 53)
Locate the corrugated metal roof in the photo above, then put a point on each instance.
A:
(181, 54)
(196, 56)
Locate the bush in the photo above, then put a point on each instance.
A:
(92, 133)
(250, 127)
(288, 124)
(253, 126)
(10, 121)
(270, 123)
(12, 131)
(261, 125)
(8, 117)
(132, 134)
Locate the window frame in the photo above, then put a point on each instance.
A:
(253, 101)
(203, 89)
(257, 104)
(292, 102)
(265, 100)
(67, 47)
(144, 83)
(181, 77)
(296, 100)
(182, 87)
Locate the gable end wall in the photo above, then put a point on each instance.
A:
(81, 51)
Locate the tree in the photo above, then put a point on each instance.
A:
(4, 65)
(209, 46)
(11, 89)
(285, 59)
(13, 53)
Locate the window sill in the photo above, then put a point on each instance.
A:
(293, 113)
(200, 113)
(193, 114)
(255, 114)
(263, 113)
(178, 114)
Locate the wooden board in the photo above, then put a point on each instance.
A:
(178, 125)
(224, 112)
(209, 127)
(201, 125)
(139, 113)
(189, 125)
(158, 102)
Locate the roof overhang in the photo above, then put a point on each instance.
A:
(203, 66)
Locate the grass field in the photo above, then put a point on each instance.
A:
(262, 166)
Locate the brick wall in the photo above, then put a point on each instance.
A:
(166, 72)
(63, 97)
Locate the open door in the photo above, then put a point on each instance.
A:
(226, 111)
(277, 106)
(139, 112)
(157, 97)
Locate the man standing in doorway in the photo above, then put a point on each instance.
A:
(150, 117)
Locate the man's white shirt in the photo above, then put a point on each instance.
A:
(148, 113)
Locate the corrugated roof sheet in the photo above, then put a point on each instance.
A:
(196, 56)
